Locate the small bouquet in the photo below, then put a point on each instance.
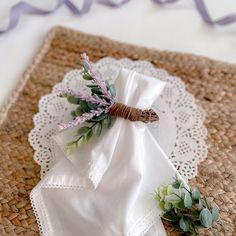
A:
(185, 209)
(97, 107)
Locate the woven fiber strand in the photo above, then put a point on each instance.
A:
(212, 83)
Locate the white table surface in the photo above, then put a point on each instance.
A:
(176, 27)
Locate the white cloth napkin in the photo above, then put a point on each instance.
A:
(105, 188)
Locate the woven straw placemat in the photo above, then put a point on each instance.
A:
(212, 83)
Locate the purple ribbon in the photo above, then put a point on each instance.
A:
(201, 7)
(23, 7)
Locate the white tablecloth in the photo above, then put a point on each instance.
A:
(176, 27)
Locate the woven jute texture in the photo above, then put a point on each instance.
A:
(212, 83)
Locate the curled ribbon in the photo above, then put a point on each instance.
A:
(23, 7)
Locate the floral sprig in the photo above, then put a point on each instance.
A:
(186, 210)
(92, 108)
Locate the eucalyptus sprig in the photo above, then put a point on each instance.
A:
(186, 210)
(92, 108)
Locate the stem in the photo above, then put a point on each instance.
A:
(187, 190)
(95, 123)
(178, 196)
(205, 199)
(223, 227)
(194, 230)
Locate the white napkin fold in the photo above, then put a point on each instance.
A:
(105, 188)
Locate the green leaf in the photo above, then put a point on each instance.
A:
(89, 135)
(80, 141)
(92, 106)
(161, 205)
(187, 200)
(215, 213)
(69, 147)
(84, 106)
(99, 118)
(79, 111)
(87, 77)
(180, 205)
(195, 194)
(176, 184)
(112, 90)
(96, 91)
(184, 223)
(108, 121)
(98, 129)
(73, 113)
(175, 225)
(167, 206)
(206, 218)
(92, 86)
(83, 130)
(173, 198)
(169, 217)
(73, 100)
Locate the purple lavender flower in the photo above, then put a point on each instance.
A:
(96, 77)
(81, 119)
(83, 96)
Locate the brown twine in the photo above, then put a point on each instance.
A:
(133, 114)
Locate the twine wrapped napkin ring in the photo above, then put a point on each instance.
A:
(133, 114)
(97, 107)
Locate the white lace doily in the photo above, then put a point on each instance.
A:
(180, 132)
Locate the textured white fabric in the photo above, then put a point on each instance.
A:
(128, 164)
(180, 132)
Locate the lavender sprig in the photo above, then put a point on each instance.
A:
(91, 108)
(89, 69)
(68, 92)
(80, 119)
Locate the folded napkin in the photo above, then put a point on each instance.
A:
(104, 188)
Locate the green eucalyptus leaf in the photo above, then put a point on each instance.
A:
(98, 129)
(79, 111)
(167, 206)
(83, 130)
(206, 218)
(175, 225)
(195, 194)
(92, 106)
(89, 135)
(187, 200)
(107, 84)
(84, 106)
(172, 198)
(112, 90)
(99, 118)
(73, 113)
(96, 91)
(73, 100)
(169, 217)
(87, 77)
(161, 205)
(69, 147)
(176, 184)
(180, 205)
(184, 223)
(215, 213)
(108, 121)
(80, 141)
